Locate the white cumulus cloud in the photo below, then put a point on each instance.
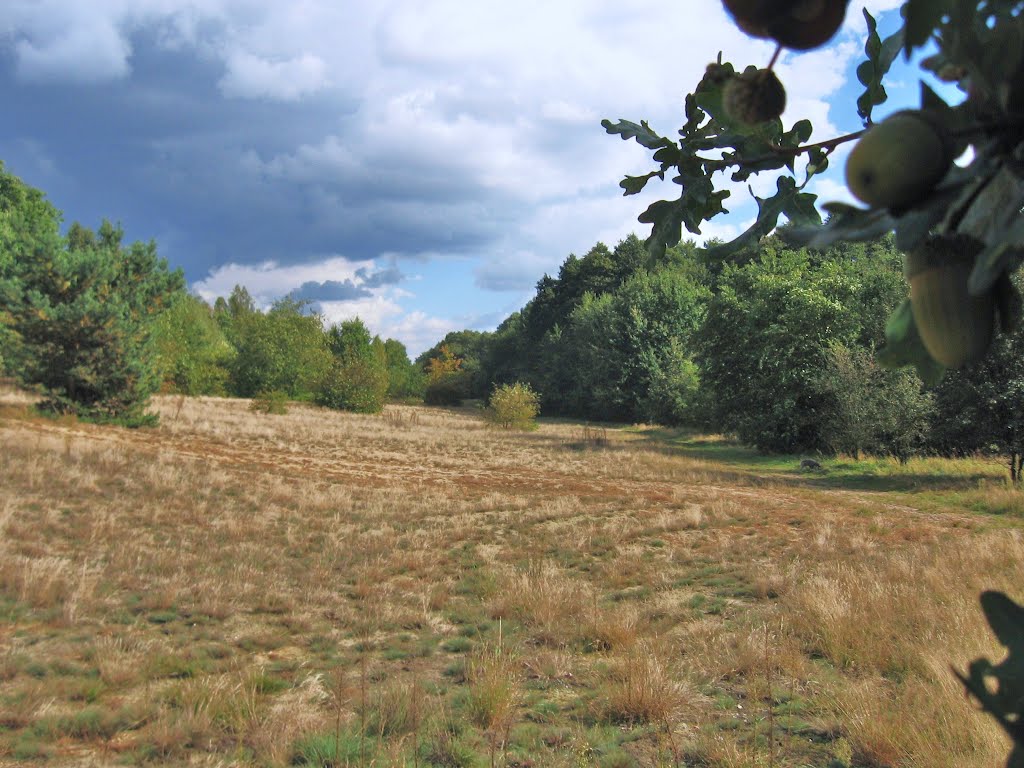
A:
(254, 77)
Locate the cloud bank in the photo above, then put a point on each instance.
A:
(443, 143)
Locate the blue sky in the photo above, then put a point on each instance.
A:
(419, 163)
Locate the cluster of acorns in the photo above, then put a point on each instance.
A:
(756, 96)
(894, 165)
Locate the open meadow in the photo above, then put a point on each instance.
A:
(418, 588)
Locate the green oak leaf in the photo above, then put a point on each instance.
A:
(997, 258)
(642, 133)
(921, 17)
(845, 222)
(872, 71)
(788, 200)
(1006, 701)
(635, 184)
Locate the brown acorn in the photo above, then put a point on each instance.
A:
(797, 24)
(754, 96)
(808, 23)
(899, 160)
(753, 16)
(956, 328)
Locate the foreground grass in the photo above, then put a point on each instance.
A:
(417, 589)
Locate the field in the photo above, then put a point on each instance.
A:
(419, 589)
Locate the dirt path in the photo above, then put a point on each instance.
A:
(257, 456)
(390, 469)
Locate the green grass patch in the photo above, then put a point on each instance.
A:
(333, 750)
(90, 723)
(169, 665)
(27, 747)
(269, 684)
(954, 480)
(476, 583)
(458, 644)
(641, 592)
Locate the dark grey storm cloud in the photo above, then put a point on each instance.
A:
(291, 144)
(390, 276)
(330, 290)
(218, 180)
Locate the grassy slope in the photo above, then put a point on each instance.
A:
(418, 589)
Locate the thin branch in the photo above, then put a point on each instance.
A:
(827, 146)
(830, 145)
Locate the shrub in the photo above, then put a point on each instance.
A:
(448, 390)
(275, 402)
(514, 406)
(81, 310)
(358, 385)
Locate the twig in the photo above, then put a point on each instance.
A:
(831, 144)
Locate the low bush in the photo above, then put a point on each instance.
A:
(275, 402)
(514, 406)
(447, 390)
(357, 385)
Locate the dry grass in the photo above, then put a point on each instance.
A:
(644, 687)
(233, 587)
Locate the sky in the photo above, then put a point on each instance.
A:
(417, 163)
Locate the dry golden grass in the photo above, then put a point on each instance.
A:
(237, 588)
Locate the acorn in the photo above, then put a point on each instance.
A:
(754, 96)
(956, 328)
(753, 16)
(808, 24)
(899, 161)
(797, 24)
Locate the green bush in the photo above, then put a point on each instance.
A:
(275, 402)
(447, 390)
(358, 385)
(194, 356)
(514, 406)
(79, 311)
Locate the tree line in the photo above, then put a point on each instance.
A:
(234, 348)
(777, 347)
(98, 326)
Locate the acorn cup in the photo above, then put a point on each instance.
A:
(955, 327)
(899, 161)
(809, 24)
(797, 24)
(754, 96)
(753, 16)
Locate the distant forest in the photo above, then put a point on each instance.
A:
(776, 348)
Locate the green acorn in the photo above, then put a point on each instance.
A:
(900, 160)
(956, 328)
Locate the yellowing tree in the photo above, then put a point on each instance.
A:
(443, 366)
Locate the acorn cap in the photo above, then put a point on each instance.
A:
(754, 96)
(807, 24)
(755, 16)
(942, 251)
